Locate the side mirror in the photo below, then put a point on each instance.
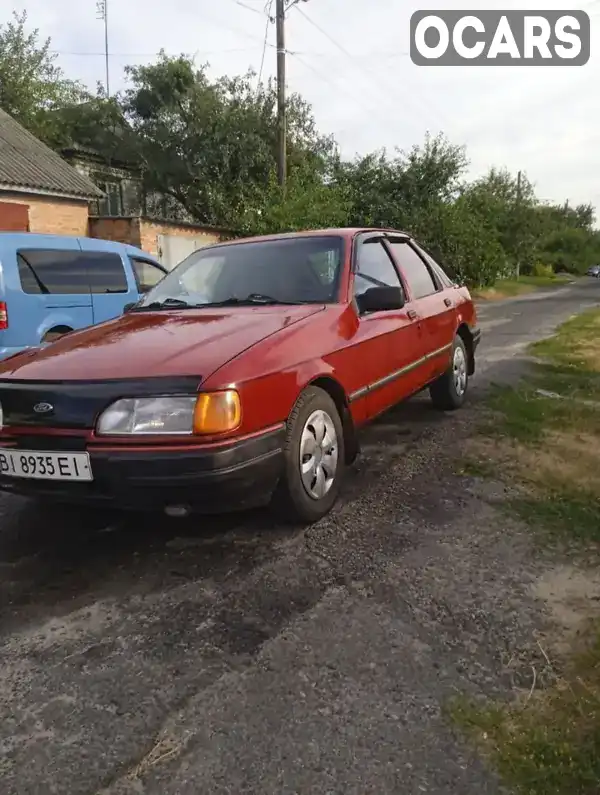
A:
(128, 307)
(380, 299)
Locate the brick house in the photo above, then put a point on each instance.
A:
(128, 214)
(39, 191)
(81, 194)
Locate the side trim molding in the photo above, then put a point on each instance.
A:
(387, 379)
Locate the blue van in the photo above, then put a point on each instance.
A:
(51, 284)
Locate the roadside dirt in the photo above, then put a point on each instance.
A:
(236, 656)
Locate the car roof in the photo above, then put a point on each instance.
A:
(32, 238)
(345, 232)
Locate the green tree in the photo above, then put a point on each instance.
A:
(309, 201)
(32, 86)
(400, 192)
(211, 146)
(509, 207)
(571, 248)
(464, 243)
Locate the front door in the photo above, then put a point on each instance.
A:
(395, 336)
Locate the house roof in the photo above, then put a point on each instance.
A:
(26, 164)
(93, 156)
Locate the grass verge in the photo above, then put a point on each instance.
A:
(548, 744)
(543, 437)
(508, 288)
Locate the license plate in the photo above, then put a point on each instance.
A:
(45, 466)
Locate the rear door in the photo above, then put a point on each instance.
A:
(432, 300)
(51, 289)
(391, 341)
(112, 283)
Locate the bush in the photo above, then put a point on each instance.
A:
(539, 269)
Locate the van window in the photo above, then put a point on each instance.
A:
(52, 271)
(147, 274)
(106, 272)
(70, 272)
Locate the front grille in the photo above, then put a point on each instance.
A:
(75, 405)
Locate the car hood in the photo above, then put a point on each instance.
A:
(140, 344)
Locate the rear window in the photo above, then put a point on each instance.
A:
(436, 267)
(58, 272)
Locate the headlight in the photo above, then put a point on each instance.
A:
(212, 412)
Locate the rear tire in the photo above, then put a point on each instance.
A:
(314, 460)
(449, 391)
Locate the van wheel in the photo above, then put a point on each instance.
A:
(314, 460)
(450, 389)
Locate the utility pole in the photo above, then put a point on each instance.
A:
(106, 46)
(281, 119)
(518, 219)
(102, 14)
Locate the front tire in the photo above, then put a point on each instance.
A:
(449, 391)
(314, 460)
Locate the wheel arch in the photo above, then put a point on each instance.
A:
(464, 332)
(337, 393)
(57, 330)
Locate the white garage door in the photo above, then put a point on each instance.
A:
(172, 249)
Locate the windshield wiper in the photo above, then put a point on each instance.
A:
(168, 303)
(253, 298)
(250, 300)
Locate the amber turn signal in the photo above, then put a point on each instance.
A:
(217, 412)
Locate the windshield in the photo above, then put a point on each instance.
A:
(290, 270)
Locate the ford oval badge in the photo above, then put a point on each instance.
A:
(43, 408)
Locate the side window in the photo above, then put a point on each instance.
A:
(415, 271)
(106, 272)
(52, 272)
(435, 267)
(374, 268)
(147, 274)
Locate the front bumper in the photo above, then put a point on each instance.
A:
(207, 479)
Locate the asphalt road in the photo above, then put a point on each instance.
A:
(233, 655)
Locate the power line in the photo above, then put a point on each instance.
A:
(264, 51)
(249, 8)
(375, 109)
(150, 54)
(311, 53)
(227, 26)
(375, 77)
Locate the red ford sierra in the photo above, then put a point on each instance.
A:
(242, 377)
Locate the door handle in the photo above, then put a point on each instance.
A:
(412, 314)
(448, 302)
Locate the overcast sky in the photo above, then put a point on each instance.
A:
(349, 59)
